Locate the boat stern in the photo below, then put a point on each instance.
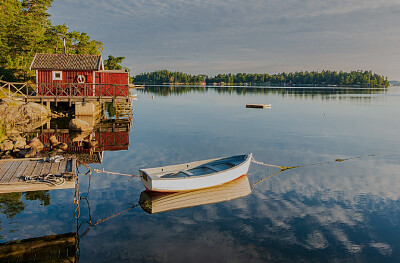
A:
(146, 180)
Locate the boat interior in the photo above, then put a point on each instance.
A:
(208, 168)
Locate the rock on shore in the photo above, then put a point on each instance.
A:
(18, 110)
(79, 125)
(16, 146)
(20, 115)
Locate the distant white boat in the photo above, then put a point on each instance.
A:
(156, 202)
(195, 175)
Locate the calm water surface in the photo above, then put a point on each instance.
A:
(331, 212)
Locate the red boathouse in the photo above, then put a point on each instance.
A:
(77, 75)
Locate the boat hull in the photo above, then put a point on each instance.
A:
(156, 202)
(194, 182)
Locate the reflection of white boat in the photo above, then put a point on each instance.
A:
(155, 202)
(195, 175)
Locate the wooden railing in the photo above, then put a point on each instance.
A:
(64, 90)
(10, 89)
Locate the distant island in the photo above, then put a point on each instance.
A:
(300, 79)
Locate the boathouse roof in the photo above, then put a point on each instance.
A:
(66, 62)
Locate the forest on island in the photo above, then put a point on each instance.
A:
(302, 78)
(26, 29)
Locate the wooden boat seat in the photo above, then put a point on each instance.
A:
(186, 172)
(180, 173)
(211, 168)
(219, 167)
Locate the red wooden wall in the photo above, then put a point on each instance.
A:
(69, 76)
(112, 79)
(104, 77)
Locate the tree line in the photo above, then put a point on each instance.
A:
(325, 93)
(302, 78)
(25, 29)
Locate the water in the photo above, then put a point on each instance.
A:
(332, 212)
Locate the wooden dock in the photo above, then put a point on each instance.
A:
(65, 92)
(13, 173)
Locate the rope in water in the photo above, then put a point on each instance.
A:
(284, 168)
(311, 164)
(99, 221)
(108, 172)
(78, 198)
(265, 178)
(114, 215)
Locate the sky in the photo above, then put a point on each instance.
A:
(231, 36)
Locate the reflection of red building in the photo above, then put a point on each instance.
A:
(106, 141)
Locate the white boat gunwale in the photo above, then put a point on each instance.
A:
(200, 163)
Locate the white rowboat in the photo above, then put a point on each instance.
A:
(195, 175)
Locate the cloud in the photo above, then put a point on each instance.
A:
(303, 35)
(316, 240)
(382, 248)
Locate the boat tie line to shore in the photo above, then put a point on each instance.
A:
(108, 172)
(326, 162)
(114, 215)
(284, 168)
(78, 198)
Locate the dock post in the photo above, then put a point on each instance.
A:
(48, 106)
(87, 108)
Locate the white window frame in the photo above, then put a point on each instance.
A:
(54, 75)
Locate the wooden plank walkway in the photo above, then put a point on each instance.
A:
(66, 92)
(13, 172)
(71, 99)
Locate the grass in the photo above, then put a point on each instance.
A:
(2, 131)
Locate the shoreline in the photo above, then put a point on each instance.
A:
(266, 87)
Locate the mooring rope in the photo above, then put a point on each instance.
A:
(78, 198)
(108, 172)
(312, 164)
(99, 221)
(265, 178)
(271, 165)
(51, 179)
(284, 168)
